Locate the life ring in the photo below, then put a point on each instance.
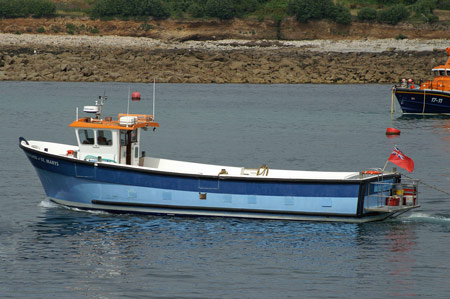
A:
(371, 172)
(70, 153)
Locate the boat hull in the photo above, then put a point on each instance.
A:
(417, 101)
(120, 188)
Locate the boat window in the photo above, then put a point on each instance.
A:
(134, 136)
(86, 136)
(436, 73)
(104, 137)
(442, 73)
(123, 138)
(136, 152)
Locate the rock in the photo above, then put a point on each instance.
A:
(241, 63)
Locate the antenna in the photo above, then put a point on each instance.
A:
(154, 86)
(128, 108)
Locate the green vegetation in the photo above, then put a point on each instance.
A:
(26, 8)
(367, 14)
(393, 14)
(339, 11)
(305, 10)
(423, 9)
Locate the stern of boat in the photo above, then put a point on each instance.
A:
(392, 198)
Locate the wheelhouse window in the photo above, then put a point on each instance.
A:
(124, 137)
(86, 136)
(104, 137)
(442, 73)
(134, 136)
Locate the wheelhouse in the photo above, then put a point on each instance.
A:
(112, 141)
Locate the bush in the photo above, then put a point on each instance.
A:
(424, 9)
(196, 11)
(305, 10)
(127, 8)
(26, 8)
(41, 8)
(93, 30)
(222, 9)
(367, 14)
(443, 4)
(342, 15)
(55, 28)
(243, 7)
(155, 8)
(40, 30)
(71, 27)
(394, 14)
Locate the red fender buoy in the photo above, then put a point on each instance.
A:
(392, 131)
(136, 96)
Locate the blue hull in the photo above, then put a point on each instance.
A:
(416, 101)
(120, 188)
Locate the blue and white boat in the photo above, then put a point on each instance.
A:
(106, 170)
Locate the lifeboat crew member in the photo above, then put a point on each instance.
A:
(403, 83)
(410, 82)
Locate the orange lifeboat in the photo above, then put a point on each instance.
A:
(431, 97)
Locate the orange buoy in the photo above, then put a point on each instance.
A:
(136, 96)
(392, 131)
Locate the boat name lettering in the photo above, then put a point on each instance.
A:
(42, 159)
(436, 100)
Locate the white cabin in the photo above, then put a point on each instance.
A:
(111, 141)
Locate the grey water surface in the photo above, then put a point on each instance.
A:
(47, 250)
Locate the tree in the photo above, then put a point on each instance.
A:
(367, 14)
(342, 15)
(305, 10)
(394, 14)
(222, 9)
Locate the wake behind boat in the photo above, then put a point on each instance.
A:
(107, 171)
(431, 97)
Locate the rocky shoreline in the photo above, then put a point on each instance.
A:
(37, 57)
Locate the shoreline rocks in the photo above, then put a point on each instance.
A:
(127, 59)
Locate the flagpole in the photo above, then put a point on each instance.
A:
(387, 161)
(392, 101)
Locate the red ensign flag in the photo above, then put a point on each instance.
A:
(401, 160)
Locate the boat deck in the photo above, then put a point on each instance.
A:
(175, 166)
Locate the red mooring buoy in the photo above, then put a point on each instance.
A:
(136, 96)
(392, 131)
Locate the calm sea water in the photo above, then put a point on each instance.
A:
(50, 251)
